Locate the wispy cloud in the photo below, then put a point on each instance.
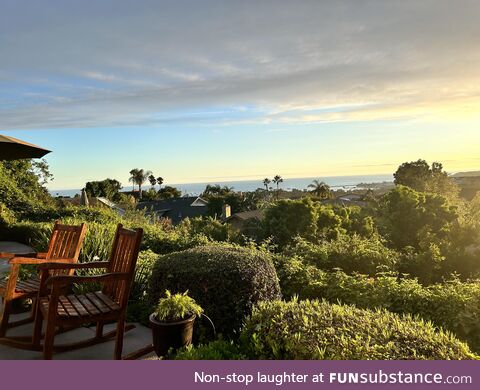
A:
(122, 63)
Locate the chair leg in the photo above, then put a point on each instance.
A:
(99, 332)
(48, 341)
(7, 308)
(37, 328)
(119, 339)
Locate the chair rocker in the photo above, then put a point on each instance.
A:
(61, 311)
(64, 247)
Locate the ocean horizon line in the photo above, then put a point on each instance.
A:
(299, 183)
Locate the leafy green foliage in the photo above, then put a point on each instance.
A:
(211, 228)
(310, 330)
(176, 307)
(169, 192)
(216, 350)
(225, 280)
(290, 218)
(107, 188)
(20, 187)
(419, 176)
(351, 253)
(453, 305)
(405, 214)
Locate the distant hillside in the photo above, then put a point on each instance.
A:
(467, 174)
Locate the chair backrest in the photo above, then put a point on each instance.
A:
(123, 258)
(66, 242)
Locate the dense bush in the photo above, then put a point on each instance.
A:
(334, 221)
(403, 214)
(225, 280)
(310, 330)
(290, 218)
(454, 305)
(211, 228)
(350, 253)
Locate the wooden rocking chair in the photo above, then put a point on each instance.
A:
(64, 247)
(101, 307)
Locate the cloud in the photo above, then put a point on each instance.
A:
(150, 63)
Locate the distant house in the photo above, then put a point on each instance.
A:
(176, 209)
(240, 221)
(348, 200)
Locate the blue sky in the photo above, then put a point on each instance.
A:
(240, 90)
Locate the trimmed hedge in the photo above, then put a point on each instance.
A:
(453, 305)
(315, 330)
(225, 280)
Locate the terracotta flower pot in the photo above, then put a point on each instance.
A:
(168, 335)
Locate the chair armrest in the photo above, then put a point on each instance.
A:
(65, 280)
(36, 261)
(8, 255)
(42, 255)
(49, 265)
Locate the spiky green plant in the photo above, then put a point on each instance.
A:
(176, 307)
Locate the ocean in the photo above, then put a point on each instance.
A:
(335, 182)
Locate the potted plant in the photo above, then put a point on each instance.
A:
(172, 322)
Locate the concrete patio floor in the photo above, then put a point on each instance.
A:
(133, 340)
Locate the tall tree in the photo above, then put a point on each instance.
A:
(420, 176)
(266, 183)
(133, 177)
(320, 189)
(277, 180)
(160, 181)
(107, 188)
(152, 180)
(139, 177)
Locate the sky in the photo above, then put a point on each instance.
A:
(200, 91)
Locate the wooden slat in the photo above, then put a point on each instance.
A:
(67, 305)
(44, 303)
(78, 305)
(22, 286)
(112, 305)
(32, 283)
(89, 306)
(98, 303)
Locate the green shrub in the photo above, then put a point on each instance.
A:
(225, 280)
(349, 253)
(216, 350)
(213, 229)
(139, 306)
(287, 219)
(453, 305)
(168, 241)
(310, 330)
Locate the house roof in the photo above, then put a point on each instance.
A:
(176, 209)
(246, 215)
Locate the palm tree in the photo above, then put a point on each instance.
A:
(138, 177)
(160, 181)
(152, 180)
(277, 180)
(266, 183)
(320, 189)
(133, 177)
(141, 178)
